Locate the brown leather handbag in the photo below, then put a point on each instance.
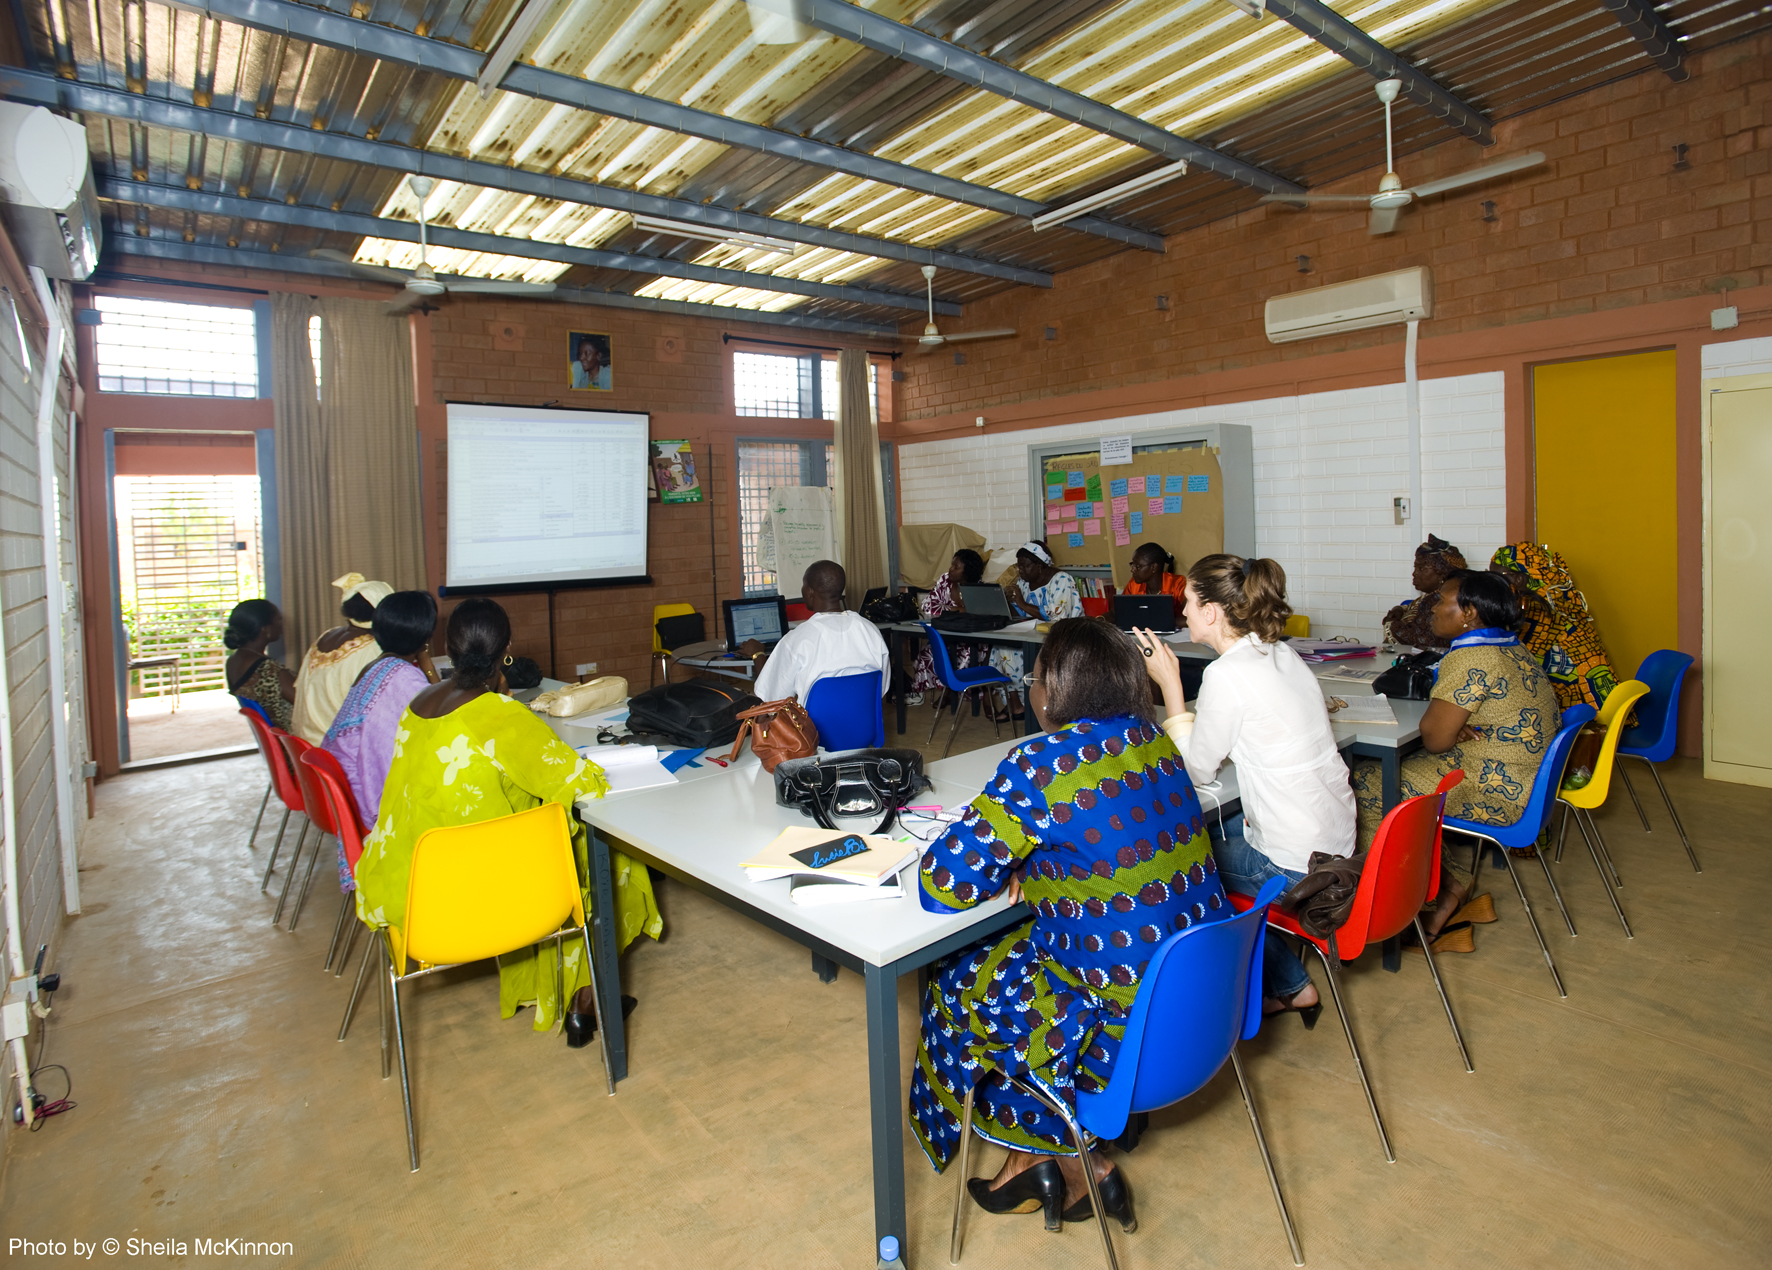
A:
(779, 730)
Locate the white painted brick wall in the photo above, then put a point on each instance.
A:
(1737, 357)
(1326, 468)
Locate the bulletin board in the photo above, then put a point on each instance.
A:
(1193, 494)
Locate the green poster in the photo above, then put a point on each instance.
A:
(673, 472)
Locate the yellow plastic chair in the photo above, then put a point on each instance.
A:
(1583, 802)
(661, 659)
(1298, 626)
(477, 891)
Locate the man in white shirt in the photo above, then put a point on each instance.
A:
(833, 642)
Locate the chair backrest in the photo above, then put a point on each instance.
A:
(666, 610)
(313, 801)
(276, 761)
(1402, 869)
(1617, 709)
(1658, 714)
(479, 890)
(798, 612)
(1201, 993)
(1298, 626)
(251, 708)
(847, 712)
(334, 787)
(938, 649)
(1546, 784)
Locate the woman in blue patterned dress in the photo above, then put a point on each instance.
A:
(1097, 827)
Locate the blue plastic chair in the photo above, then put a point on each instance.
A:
(1201, 994)
(1524, 831)
(960, 682)
(846, 711)
(1657, 729)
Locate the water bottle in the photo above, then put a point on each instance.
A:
(889, 1258)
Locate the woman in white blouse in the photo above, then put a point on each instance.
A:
(1259, 707)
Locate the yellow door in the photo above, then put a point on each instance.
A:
(1603, 437)
(1738, 586)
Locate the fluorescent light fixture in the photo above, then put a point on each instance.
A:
(1254, 8)
(1137, 185)
(714, 234)
(780, 21)
(515, 37)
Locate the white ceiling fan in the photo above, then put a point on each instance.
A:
(1392, 197)
(932, 338)
(423, 283)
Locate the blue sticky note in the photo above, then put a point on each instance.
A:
(1074, 479)
(1171, 504)
(1198, 484)
(1174, 484)
(1085, 510)
(1135, 523)
(1076, 540)
(1117, 489)
(1054, 493)
(1153, 486)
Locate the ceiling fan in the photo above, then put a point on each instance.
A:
(424, 283)
(932, 338)
(1392, 197)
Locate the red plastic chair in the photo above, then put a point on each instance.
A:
(319, 813)
(283, 781)
(1402, 870)
(334, 786)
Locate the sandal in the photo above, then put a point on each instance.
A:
(1454, 937)
(1481, 909)
(1308, 1013)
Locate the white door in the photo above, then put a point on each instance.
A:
(1738, 582)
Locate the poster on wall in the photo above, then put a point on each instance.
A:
(588, 364)
(673, 472)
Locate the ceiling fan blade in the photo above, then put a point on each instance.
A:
(1002, 332)
(1382, 220)
(375, 273)
(1488, 172)
(923, 350)
(1302, 200)
(494, 286)
(403, 304)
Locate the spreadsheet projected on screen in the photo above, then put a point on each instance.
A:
(544, 497)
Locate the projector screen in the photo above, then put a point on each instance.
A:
(543, 497)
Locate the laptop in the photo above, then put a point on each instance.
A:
(1155, 612)
(987, 609)
(763, 618)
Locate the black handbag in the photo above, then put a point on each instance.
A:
(1410, 678)
(891, 608)
(685, 628)
(853, 783)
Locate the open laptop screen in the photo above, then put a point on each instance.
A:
(764, 619)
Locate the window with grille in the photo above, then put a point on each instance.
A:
(764, 464)
(785, 387)
(178, 350)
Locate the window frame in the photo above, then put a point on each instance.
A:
(244, 389)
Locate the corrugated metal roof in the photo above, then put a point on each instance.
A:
(1260, 91)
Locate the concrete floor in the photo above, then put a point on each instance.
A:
(1626, 1126)
(203, 721)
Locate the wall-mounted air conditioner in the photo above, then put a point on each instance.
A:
(51, 206)
(1381, 300)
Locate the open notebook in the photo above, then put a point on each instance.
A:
(869, 875)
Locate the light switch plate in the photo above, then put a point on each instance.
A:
(586, 668)
(1400, 508)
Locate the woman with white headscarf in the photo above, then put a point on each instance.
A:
(1042, 591)
(337, 658)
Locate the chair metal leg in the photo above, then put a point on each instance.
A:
(1655, 771)
(1605, 854)
(958, 704)
(344, 956)
(597, 997)
(1562, 831)
(961, 1173)
(935, 712)
(262, 804)
(357, 990)
(996, 723)
(1434, 970)
(1618, 766)
(289, 876)
(1081, 1140)
(1556, 891)
(337, 930)
(1582, 822)
(1532, 920)
(1347, 1026)
(1267, 1162)
(387, 1067)
(276, 846)
(405, 1078)
(301, 897)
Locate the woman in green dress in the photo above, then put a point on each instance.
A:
(1493, 713)
(464, 753)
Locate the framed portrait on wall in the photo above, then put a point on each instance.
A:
(588, 362)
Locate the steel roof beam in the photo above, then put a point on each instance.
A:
(932, 53)
(1651, 31)
(227, 125)
(1347, 40)
(336, 30)
(178, 198)
(236, 258)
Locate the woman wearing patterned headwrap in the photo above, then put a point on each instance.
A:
(1097, 827)
(1558, 628)
(337, 658)
(1412, 621)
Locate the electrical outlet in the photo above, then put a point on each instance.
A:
(1400, 508)
(586, 668)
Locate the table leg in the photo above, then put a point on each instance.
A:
(1392, 778)
(885, 1104)
(1032, 727)
(606, 945)
(824, 968)
(900, 687)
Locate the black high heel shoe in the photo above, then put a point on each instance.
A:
(1116, 1198)
(581, 1019)
(1041, 1186)
(1309, 1013)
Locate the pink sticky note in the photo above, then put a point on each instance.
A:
(1119, 505)
(1120, 537)
(1155, 507)
(1119, 524)
(1070, 527)
(1092, 526)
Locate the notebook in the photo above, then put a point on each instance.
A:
(881, 862)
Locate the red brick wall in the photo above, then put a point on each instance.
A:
(1606, 223)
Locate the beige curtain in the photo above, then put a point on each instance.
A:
(347, 462)
(861, 500)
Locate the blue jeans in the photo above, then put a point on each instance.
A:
(1243, 869)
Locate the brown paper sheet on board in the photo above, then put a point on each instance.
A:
(1197, 530)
